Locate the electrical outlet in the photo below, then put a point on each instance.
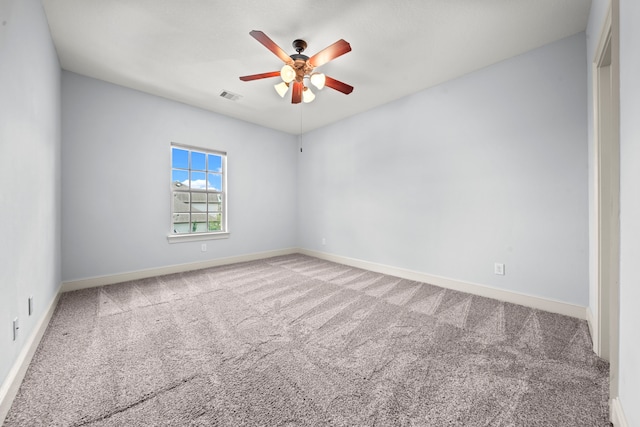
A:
(30, 305)
(15, 328)
(203, 247)
(324, 241)
(498, 269)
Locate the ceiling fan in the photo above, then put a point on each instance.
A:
(297, 67)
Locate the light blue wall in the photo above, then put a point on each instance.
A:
(490, 167)
(116, 180)
(29, 172)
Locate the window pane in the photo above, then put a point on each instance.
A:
(179, 158)
(199, 227)
(180, 222)
(198, 161)
(179, 179)
(198, 181)
(198, 197)
(198, 222)
(215, 182)
(199, 202)
(215, 202)
(215, 222)
(181, 202)
(215, 163)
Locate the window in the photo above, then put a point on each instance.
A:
(198, 196)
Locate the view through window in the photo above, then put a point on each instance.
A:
(198, 190)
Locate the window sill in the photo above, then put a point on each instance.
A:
(177, 238)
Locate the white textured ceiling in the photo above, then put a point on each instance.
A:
(191, 50)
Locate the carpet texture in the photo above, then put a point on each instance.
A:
(298, 341)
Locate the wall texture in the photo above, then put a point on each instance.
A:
(490, 167)
(630, 210)
(29, 172)
(116, 181)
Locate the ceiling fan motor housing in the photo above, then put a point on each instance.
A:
(301, 66)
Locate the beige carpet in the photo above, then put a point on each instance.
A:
(297, 341)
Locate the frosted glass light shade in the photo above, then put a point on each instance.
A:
(318, 79)
(281, 88)
(287, 73)
(307, 95)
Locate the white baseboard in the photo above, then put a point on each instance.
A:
(179, 268)
(593, 330)
(617, 414)
(472, 288)
(12, 382)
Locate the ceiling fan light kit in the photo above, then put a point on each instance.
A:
(287, 73)
(282, 88)
(318, 80)
(307, 95)
(299, 67)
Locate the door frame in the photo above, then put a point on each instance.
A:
(606, 119)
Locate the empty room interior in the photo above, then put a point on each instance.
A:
(448, 234)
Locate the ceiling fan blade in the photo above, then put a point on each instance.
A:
(296, 97)
(338, 85)
(329, 53)
(260, 76)
(271, 45)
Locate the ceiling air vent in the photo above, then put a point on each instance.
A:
(230, 95)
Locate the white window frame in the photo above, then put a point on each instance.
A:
(194, 236)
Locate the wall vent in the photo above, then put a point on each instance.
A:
(230, 95)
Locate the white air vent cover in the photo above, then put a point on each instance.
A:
(230, 95)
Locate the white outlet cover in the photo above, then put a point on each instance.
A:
(498, 268)
(16, 326)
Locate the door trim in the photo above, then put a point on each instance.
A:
(606, 104)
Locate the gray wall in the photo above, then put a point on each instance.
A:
(490, 167)
(630, 210)
(29, 172)
(116, 175)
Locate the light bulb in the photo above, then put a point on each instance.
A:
(307, 95)
(288, 73)
(318, 79)
(281, 88)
